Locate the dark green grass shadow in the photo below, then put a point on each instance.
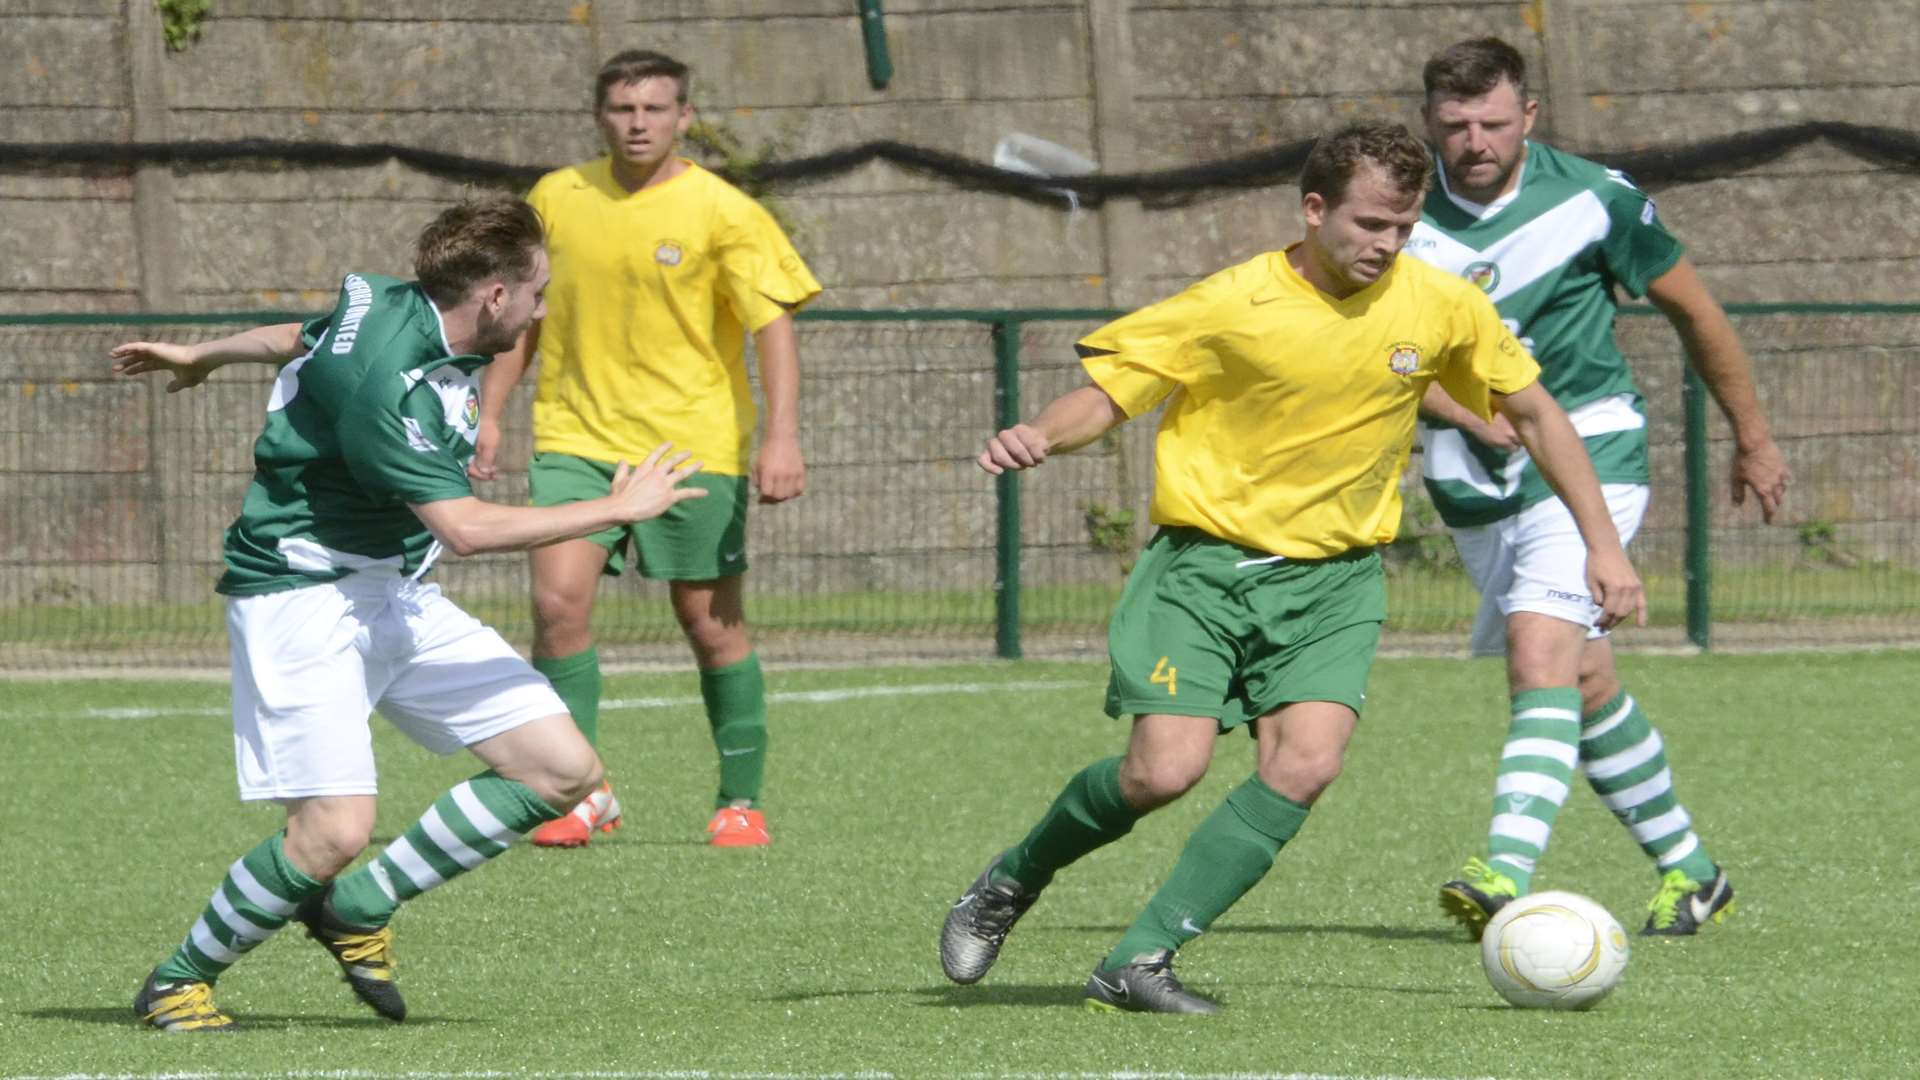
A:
(1022, 995)
(244, 1022)
(1436, 935)
(952, 996)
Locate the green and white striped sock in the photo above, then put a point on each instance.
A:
(1543, 744)
(257, 897)
(1626, 764)
(474, 822)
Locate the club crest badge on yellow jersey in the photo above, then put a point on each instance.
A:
(667, 254)
(1405, 358)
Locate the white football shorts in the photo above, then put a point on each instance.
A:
(311, 664)
(1535, 561)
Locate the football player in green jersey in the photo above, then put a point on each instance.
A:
(359, 483)
(1550, 237)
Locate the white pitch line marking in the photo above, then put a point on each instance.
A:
(689, 1074)
(478, 1074)
(778, 697)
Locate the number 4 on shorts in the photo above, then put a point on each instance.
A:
(1166, 673)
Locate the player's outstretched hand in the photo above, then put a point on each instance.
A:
(1763, 469)
(1021, 446)
(140, 357)
(486, 446)
(649, 489)
(1616, 588)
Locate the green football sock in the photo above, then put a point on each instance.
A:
(576, 679)
(465, 827)
(736, 700)
(1626, 763)
(1088, 812)
(1536, 765)
(1226, 856)
(257, 897)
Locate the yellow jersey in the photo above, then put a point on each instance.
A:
(653, 294)
(1292, 412)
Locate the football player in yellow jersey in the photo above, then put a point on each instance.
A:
(1291, 385)
(660, 271)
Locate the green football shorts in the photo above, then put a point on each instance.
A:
(1209, 628)
(697, 540)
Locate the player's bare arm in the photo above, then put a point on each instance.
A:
(1069, 422)
(496, 386)
(191, 364)
(779, 472)
(471, 526)
(1722, 363)
(1497, 433)
(1561, 456)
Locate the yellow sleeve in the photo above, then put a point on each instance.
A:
(1139, 359)
(1484, 358)
(538, 198)
(761, 276)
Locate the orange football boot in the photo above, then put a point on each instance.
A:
(600, 810)
(738, 826)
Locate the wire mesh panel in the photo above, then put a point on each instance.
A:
(1841, 563)
(114, 497)
(1083, 515)
(890, 551)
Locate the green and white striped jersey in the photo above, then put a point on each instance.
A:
(1550, 254)
(377, 414)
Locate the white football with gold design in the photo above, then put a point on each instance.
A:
(1554, 950)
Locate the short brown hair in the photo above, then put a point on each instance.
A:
(1468, 69)
(1393, 149)
(636, 64)
(472, 242)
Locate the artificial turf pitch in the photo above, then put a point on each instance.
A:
(649, 954)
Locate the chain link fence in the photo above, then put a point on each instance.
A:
(114, 497)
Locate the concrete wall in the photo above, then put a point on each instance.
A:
(1131, 83)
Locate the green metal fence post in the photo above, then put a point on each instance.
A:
(873, 29)
(1006, 413)
(1693, 396)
